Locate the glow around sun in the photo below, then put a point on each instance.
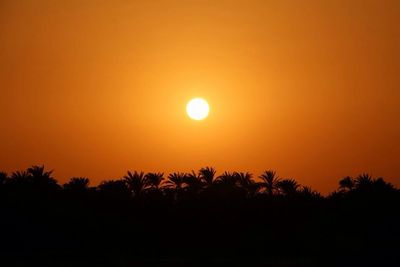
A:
(197, 109)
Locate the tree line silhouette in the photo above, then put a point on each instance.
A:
(197, 216)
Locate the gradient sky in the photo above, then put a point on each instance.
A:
(310, 89)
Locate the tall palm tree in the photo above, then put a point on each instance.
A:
(154, 179)
(175, 184)
(383, 188)
(176, 180)
(42, 178)
(363, 181)
(381, 184)
(194, 182)
(288, 187)
(245, 181)
(207, 175)
(136, 182)
(269, 181)
(39, 172)
(227, 179)
(346, 184)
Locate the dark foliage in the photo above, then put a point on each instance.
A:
(198, 217)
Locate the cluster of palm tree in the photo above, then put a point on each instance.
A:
(140, 183)
(195, 214)
(35, 176)
(206, 179)
(365, 183)
(137, 184)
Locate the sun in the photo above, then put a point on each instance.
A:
(197, 109)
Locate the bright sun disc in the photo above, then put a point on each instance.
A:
(197, 109)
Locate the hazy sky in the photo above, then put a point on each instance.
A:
(308, 88)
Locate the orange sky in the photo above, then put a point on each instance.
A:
(308, 88)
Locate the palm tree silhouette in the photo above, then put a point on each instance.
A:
(39, 172)
(346, 184)
(42, 178)
(114, 188)
(175, 184)
(154, 179)
(20, 180)
(136, 182)
(381, 184)
(245, 181)
(366, 184)
(363, 181)
(309, 193)
(207, 175)
(77, 184)
(18, 177)
(288, 187)
(176, 180)
(269, 181)
(227, 180)
(194, 182)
